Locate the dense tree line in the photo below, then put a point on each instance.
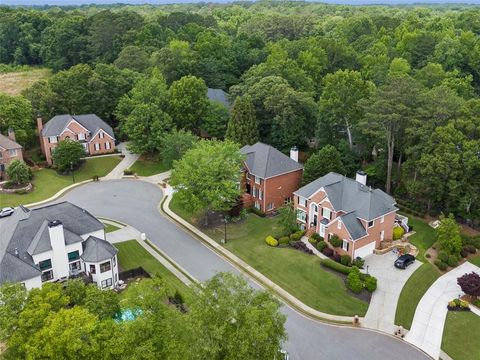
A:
(393, 89)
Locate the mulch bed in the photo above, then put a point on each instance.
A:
(364, 295)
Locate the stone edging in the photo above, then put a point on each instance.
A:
(257, 276)
(13, 191)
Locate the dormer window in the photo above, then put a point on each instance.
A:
(101, 134)
(371, 223)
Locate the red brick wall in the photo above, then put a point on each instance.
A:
(102, 147)
(7, 159)
(279, 188)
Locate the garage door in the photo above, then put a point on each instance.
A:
(365, 250)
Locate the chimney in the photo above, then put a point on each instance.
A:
(57, 241)
(361, 177)
(294, 153)
(11, 134)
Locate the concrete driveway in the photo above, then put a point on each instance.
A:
(429, 319)
(136, 202)
(390, 281)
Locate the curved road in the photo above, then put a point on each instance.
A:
(136, 203)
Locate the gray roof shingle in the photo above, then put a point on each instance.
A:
(218, 95)
(8, 144)
(348, 195)
(91, 122)
(95, 250)
(265, 161)
(354, 226)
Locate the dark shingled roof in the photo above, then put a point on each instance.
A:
(91, 122)
(354, 226)
(26, 234)
(265, 161)
(8, 144)
(95, 250)
(218, 95)
(348, 195)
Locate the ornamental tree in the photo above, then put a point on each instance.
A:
(448, 235)
(18, 172)
(68, 154)
(470, 284)
(207, 176)
(287, 218)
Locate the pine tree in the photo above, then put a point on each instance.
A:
(325, 160)
(243, 126)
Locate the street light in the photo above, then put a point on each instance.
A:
(225, 233)
(71, 169)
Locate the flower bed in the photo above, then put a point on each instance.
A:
(458, 305)
(22, 189)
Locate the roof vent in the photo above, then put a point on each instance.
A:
(16, 252)
(53, 223)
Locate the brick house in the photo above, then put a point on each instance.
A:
(93, 133)
(9, 150)
(269, 176)
(360, 216)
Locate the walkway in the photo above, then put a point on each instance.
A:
(429, 319)
(390, 281)
(127, 161)
(304, 239)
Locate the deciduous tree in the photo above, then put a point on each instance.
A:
(243, 126)
(68, 154)
(325, 160)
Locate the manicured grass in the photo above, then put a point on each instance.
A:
(13, 83)
(298, 273)
(148, 167)
(48, 182)
(110, 228)
(413, 291)
(424, 238)
(132, 255)
(461, 336)
(475, 260)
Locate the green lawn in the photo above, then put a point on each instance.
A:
(110, 228)
(48, 182)
(298, 273)
(461, 336)
(424, 238)
(132, 255)
(475, 260)
(148, 167)
(413, 291)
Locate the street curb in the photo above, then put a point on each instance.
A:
(59, 193)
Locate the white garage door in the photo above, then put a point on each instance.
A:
(365, 250)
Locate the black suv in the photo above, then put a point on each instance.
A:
(403, 261)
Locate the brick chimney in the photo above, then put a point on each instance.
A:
(11, 134)
(40, 128)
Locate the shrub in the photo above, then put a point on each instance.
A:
(336, 257)
(256, 211)
(470, 284)
(335, 266)
(127, 172)
(18, 172)
(464, 253)
(284, 240)
(300, 233)
(398, 232)
(428, 256)
(358, 262)
(335, 241)
(327, 251)
(321, 245)
(470, 248)
(354, 282)
(371, 283)
(317, 237)
(311, 240)
(441, 265)
(473, 241)
(345, 260)
(299, 245)
(295, 237)
(476, 302)
(443, 256)
(453, 260)
(270, 240)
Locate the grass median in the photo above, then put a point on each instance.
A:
(461, 336)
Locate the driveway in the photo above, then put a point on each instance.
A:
(429, 319)
(136, 203)
(126, 162)
(390, 281)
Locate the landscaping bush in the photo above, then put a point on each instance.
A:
(443, 256)
(270, 240)
(345, 260)
(321, 245)
(476, 302)
(428, 256)
(327, 251)
(300, 232)
(398, 232)
(354, 282)
(336, 257)
(441, 265)
(335, 241)
(18, 172)
(335, 266)
(452, 260)
(470, 248)
(127, 172)
(256, 211)
(464, 253)
(312, 241)
(473, 241)
(371, 283)
(284, 240)
(358, 262)
(299, 245)
(295, 236)
(458, 305)
(317, 237)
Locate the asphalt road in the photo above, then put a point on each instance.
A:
(136, 203)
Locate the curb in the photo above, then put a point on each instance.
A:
(59, 193)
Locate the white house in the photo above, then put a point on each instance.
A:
(53, 243)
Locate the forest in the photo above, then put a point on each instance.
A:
(392, 90)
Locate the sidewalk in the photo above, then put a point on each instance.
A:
(127, 161)
(304, 239)
(242, 265)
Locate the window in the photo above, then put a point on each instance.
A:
(12, 152)
(93, 269)
(257, 180)
(74, 255)
(47, 275)
(260, 194)
(1, 155)
(45, 264)
(105, 267)
(114, 261)
(315, 208)
(287, 200)
(107, 283)
(382, 219)
(326, 213)
(248, 189)
(345, 245)
(257, 205)
(370, 223)
(339, 224)
(52, 139)
(97, 146)
(301, 215)
(302, 201)
(270, 206)
(382, 235)
(101, 135)
(81, 136)
(107, 146)
(254, 192)
(75, 267)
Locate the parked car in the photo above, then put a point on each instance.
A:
(403, 261)
(6, 212)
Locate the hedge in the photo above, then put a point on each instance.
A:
(336, 266)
